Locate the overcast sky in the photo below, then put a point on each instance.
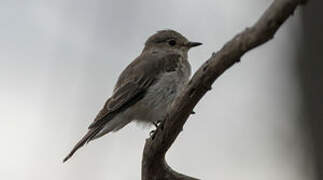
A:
(59, 61)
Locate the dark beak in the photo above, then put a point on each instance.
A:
(193, 44)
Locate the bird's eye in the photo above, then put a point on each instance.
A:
(172, 42)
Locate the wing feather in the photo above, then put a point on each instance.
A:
(134, 80)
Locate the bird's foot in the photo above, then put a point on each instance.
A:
(159, 124)
(152, 134)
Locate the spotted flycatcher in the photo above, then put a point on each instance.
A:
(146, 88)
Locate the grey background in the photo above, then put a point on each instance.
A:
(59, 61)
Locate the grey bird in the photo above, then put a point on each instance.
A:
(146, 88)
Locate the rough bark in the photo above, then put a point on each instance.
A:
(154, 166)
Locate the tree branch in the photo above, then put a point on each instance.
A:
(154, 166)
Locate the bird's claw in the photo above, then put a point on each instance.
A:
(152, 134)
(158, 124)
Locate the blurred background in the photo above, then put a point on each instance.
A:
(59, 61)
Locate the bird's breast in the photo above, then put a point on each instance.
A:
(154, 105)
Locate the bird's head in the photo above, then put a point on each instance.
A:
(169, 40)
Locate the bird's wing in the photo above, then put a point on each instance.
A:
(134, 81)
(124, 97)
(131, 87)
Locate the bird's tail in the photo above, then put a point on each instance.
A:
(87, 138)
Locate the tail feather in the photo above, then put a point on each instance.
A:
(91, 134)
(87, 138)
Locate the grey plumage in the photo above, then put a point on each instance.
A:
(146, 88)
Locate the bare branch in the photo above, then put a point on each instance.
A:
(154, 166)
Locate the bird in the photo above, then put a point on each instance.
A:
(147, 86)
